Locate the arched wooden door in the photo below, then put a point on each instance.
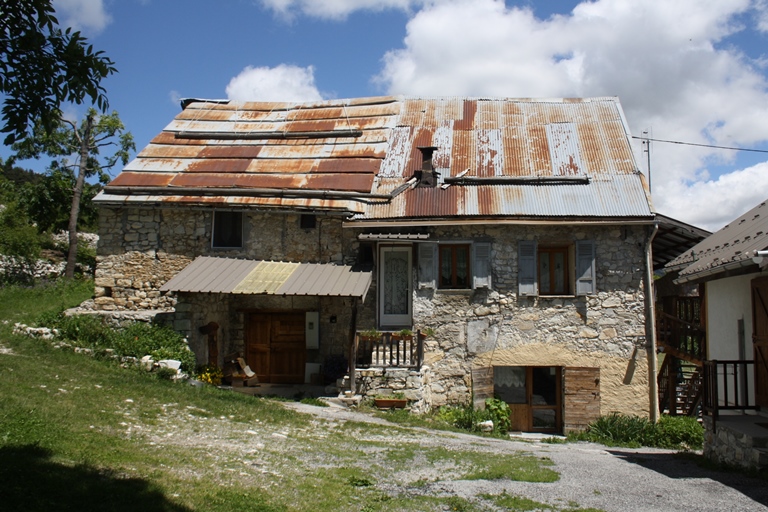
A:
(275, 345)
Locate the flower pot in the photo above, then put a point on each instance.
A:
(390, 403)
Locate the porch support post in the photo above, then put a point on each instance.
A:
(650, 328)
(353, 347)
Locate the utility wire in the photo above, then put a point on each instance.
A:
(701, 145)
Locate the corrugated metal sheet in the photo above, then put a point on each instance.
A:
(254, 277)
(490, 140)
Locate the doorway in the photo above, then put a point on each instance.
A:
(760, 339)
(275, 346)
(534, 395)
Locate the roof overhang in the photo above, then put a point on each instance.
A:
(208, 274)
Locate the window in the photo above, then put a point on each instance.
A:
(553, 271)
(308, 221)
(227, 230)
(457, 266)
(454, 266)
(556, 269)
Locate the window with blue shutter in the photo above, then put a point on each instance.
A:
(585, 267)
(526, 272)
(481, 265)
(427, 265)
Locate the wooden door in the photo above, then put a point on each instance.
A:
(582, 397)
(760, 338)
(276, 346)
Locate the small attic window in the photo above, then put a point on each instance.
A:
(308, 221)
(427, 176)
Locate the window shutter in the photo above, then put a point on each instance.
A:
(585, 267)
(481, 265)
(428, 265)
(526, 271)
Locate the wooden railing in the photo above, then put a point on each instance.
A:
(726, 387)
(680, 387)
(682, 339)
(388, 350)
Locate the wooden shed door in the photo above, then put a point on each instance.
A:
(582, 397)
(276, 346)
(760, 339)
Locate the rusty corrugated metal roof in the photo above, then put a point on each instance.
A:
(560, 158)
(208, 274)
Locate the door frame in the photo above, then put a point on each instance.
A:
(759, 302)
(522, 413)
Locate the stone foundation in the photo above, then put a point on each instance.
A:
(736, 441)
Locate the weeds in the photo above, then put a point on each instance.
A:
(673, 432)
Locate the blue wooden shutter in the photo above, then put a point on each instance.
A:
(481, 265)
(428, 265)
(526, 268)
(585, 267)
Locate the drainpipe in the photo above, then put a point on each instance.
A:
(650, 327)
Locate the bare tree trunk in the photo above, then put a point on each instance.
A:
(74, 212)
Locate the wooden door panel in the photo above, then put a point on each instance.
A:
(760, 338)
(582, 397)
(276, 346)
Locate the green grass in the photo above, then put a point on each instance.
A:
(78, 433)
(673, 432)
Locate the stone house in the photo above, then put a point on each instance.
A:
(730, 268)
(516, 233)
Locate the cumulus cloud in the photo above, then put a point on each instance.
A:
(86, 15)
(281, 83)
(665, 60)
(334, 9)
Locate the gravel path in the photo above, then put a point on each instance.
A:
(591, 475)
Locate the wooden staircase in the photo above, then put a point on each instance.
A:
(682, 341)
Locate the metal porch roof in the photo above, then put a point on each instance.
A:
(208, 274)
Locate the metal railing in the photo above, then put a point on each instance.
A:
(726, 387)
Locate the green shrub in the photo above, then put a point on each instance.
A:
(499, 413)
(137, 339)
(161, 342)
(672, 432)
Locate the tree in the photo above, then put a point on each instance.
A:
(42, 67)
(81, 148)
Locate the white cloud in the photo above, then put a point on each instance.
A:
(661, 58)
(281, 83)
(335, 9)
(86, 15)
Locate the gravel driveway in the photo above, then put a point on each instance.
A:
(592, 475)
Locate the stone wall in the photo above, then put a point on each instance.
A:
(733, 447)
(140, 249)
(499, 328)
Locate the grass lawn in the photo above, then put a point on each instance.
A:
(81, 434)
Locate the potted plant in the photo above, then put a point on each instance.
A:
(370, 335)
(390, 401)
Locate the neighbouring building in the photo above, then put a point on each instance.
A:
(513, 234)
(730, 269)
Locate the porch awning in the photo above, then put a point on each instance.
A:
(208, 274)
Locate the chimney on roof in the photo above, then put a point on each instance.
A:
(427, 175)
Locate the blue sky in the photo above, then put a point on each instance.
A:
(686, 70)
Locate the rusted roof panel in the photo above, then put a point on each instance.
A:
(208, 274)
(509, 153)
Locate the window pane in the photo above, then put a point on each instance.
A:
(559, 273)
(509, 384)
(462, 264)
(545, 285)
(396, 289)
(544, 418)
(544, 386)
(446, 264)
(227, 229)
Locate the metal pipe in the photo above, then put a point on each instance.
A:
(485, 220)
(511, 180)
(326, 134)
(243, 192)
(650, 327)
